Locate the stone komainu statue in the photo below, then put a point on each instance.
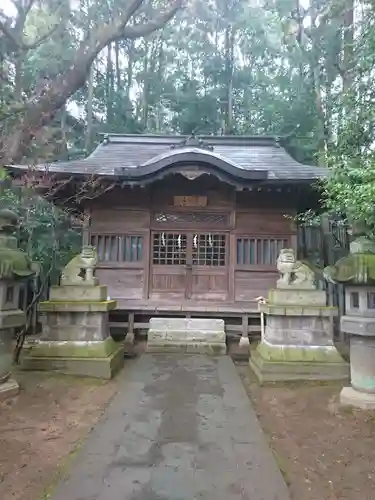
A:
(86, 260)
(294, 273)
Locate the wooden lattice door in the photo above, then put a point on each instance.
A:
(209, 266)
(189, 265)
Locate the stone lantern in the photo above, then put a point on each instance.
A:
(14, 266)
(357, 273)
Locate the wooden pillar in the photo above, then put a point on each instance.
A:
(129, 338)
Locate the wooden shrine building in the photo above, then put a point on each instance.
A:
(191, 225)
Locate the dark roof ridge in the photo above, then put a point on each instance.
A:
(246, 140)
(140, 155)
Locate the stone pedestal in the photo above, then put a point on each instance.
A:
(10, 318)
(78, 292)
(189, 335)
(362, 361)
(75, 337)
(8, 386)
(298, 339)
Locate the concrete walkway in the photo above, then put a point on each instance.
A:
(180, 428)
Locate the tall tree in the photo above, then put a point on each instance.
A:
(52, 91)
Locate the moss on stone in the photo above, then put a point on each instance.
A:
(298, 310)
(78, 305)
(96, 367)
(14, 263)
(357, 268)
(78, 302)
(299, 354)
(292, 368)
(71, 349)
(63, 471)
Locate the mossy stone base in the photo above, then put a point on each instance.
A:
(91, 359)
(73, 349)
(287, 363)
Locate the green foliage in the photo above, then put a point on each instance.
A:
(351, 187)
(218, 67)
(45, 232)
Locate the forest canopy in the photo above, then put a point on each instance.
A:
(301, 71)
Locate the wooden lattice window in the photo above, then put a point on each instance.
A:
(169, 249)
(209, 249)
(115, 248)
(259, 251)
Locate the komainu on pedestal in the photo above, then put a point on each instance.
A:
(297, 343)
(75, 337)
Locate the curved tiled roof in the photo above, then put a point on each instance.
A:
(134, 156)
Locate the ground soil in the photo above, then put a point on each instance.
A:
(324, 452)
(42, 428)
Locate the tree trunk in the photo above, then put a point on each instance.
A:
(89, 110)
(64, 138)
(43, 106)
(316, 78)
(348, 41)
(118, 68)
(229, 54)
(109, 86)
(145, 87)
(18, 75)
(129, 69)
(159, 104)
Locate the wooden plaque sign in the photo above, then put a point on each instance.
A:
(190, 201)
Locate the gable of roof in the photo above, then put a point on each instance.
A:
(137, 156)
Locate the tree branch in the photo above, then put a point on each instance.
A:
(144, 29)
(39, 41)
(28, 7)
(9, 33)
(42, 107)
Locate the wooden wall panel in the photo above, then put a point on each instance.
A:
(210, 286)
(168, 282)
(263, 222)
(218, 193)
(122, 283)
(252, 284)
(119, 220)
(121, 197)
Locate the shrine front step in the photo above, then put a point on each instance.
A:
(187, 335)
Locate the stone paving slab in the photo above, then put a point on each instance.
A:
(180, 428)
